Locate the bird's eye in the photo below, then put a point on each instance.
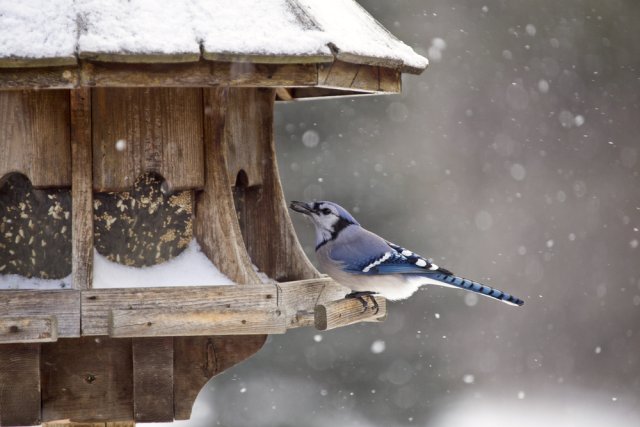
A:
(326, 211)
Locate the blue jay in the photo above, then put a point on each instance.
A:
(369, 265)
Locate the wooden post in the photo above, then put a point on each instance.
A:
(81, 189)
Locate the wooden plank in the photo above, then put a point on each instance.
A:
(81, 189)
(390, 81)
(67, 423)
(216, 223)
(19, 384)
(180, 322)
(87, 373)
(98, 303)
(39, 78)
(161, 130)
(24, 62)
(266, 226)
(337, 74)
(198, 74)
(153, 379)
(25, 329)
(64, 305)
(343, 312)
(198, 359)
(34, 136)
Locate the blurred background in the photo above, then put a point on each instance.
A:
(513, 160)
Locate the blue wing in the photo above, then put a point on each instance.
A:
(373, 256)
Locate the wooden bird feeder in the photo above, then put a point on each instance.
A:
(134, 144)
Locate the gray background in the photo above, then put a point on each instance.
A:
(513, 160)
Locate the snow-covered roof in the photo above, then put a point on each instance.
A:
(59, 32)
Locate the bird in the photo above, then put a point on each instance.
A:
(369, 265)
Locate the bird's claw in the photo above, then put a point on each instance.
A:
(365, 305)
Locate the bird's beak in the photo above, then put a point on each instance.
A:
(301, 207)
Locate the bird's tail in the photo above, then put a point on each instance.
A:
(470, 285)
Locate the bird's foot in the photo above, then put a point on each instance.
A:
(360, 296)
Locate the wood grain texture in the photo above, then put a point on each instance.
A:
(198, 359)
(67, 423)
(34, 136)
(343, 312)
(359, 77)
(216, 223)
(198, 74)
(19, 384)
(153, 379)
(298, 299)
(265, 222)
(64, 305)
(28, 329)
(390, 81)
(81, 189)
(180, 322)
(39, 78)
(162, 132)
(87, 379)
(98, 303)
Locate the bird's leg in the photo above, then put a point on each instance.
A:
(360, 297)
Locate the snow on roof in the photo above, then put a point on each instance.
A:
(34, 32)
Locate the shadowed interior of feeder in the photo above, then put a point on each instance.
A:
(35, 229)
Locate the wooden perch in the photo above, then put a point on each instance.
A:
(335, 314)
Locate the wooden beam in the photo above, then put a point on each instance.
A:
(97, 304)
(81, 189)
(283, 94)
(34, 136)
(63, 305)
(216, 223)
(298, 299)
(67, 423)
(153, 379)
(198, 74)
(66, 77)
(335, 314)
(19, 384)
(27, 329)
(179, 322)
(87, 373)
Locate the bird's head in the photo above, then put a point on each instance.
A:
(328, 218)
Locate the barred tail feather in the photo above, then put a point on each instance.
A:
(470, 285)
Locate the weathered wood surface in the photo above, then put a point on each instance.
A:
(144, 226)
(160, 130)
(198, 359)
(87, 379)
(64, 305)
(343, 312)
(180, 322)
(35, 228)
(153, 379)
(34, 136)
(216, 223)
(98, 303)
(263, 212)
(359, 77)
(28, 329)
(298, 299)
(39, 78)
(81, 189)
(19, 384)
(67, 423)
(198, 74)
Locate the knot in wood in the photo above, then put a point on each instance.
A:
(89, 378)
(14, 329)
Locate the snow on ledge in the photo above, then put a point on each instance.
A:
(190, 268)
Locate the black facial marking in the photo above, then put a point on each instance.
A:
(340, 225)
